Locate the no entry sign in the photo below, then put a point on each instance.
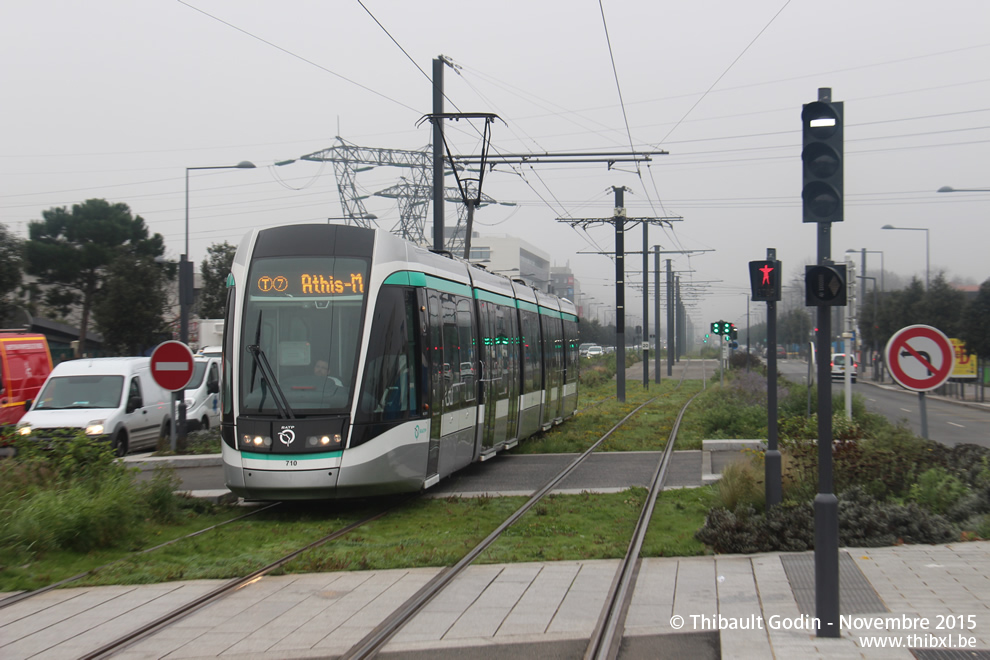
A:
(172, 365)
(919, 357)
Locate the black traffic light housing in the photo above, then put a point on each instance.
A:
(822, 155)
(764, 280)
(825, 285)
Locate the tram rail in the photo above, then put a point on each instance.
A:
(603, 644)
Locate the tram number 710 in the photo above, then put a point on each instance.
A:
(291, 463)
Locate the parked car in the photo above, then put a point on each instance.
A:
(115, 398)
(202, 394)
(839, 367)
(781, 352)
(210, 351)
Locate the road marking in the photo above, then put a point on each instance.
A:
(959, 425)
(905, 410)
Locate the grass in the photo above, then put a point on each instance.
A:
(427, 532)
(647, 431)
(21, 568)
(563, 527)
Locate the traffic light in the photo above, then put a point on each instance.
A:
(733, 333)
(764, 280)
(716, 327)
(825, 285)
(822, 153)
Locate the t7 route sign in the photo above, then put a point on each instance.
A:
(919, 357)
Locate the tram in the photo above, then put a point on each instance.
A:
(357, 363)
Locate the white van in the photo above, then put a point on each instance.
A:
(202, 394)
(113, 397)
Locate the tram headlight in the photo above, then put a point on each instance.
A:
(256, 441)
(324, 440)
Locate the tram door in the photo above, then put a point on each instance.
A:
(494, 375)
(435, 365)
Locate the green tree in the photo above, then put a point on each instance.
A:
(899, 309)
(794, 327)
(975, 327)
(71, 251)
(132, 303)
(942, 307)
(11, 251)
(215, 268)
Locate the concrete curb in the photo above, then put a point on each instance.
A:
(148, 462)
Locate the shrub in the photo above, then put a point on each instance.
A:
(83, 516)
(741, 484)
(785, 527)
(937, 490)
(159, 495)
(863, 522)
(742, 359)
(71, 493)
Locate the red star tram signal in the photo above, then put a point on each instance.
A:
(764, 280)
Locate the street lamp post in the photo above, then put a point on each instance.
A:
(927, 262)
(863, 265)
(873, 331)
(186, 266)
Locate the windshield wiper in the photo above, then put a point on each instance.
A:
(278, 396)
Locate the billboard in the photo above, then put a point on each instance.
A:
(965, 363)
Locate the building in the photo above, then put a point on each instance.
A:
(512, 257)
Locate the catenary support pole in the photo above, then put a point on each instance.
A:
(438, 155)
(646, 306)
(620, 295)
(671, 339)
(656, 314)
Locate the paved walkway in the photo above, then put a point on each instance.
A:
(922, 597)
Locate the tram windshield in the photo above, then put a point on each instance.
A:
(304, 314)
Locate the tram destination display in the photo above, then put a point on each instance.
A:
(316, 277)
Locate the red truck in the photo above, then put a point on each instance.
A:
(25, 363)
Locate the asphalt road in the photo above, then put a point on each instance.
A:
(523, 474)
(950, 421)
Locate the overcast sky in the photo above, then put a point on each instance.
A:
(115, 98)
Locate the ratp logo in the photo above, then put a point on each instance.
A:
(287, 436)
(417, 431)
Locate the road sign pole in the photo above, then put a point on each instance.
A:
(772, 462)
(173, 434)
(172, 369)
(181, 427)
(826, 506)
(924, 415)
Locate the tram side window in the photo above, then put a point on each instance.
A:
(573, 359)
(388, 390)
(466, 365)
(533, 367)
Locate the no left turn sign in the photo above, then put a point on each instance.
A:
(919, 357)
